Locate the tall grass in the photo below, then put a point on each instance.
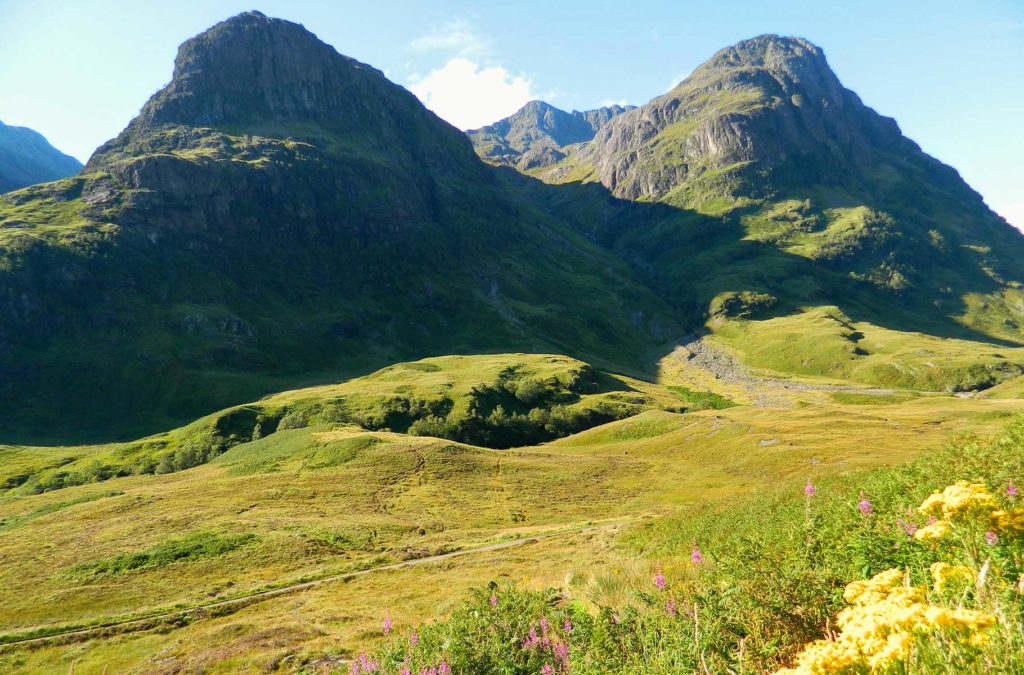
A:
(745, 586)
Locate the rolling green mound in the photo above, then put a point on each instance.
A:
(494, 401)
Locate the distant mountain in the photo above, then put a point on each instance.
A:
(280, 212)
(534, 135)
(765, 139)
(27, 158)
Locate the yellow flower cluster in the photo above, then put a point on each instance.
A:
(944, 575)
(880, 627)
(1009, 521)
(959, 500)
(963, 503)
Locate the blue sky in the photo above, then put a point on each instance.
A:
(951, 73)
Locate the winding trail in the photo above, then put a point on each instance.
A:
(164, 618)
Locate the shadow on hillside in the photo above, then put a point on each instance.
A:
(689, 259)
(685, 258)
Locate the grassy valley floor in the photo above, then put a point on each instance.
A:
(324, 501)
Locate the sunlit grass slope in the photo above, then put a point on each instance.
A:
(329, 498)
(494, 401)
(825, 343)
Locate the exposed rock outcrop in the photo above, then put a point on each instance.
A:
(764, 107)
(536, 134)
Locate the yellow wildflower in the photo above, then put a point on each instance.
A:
(937, 530)
(959, 499)
(944, 573)
(881, 625)
(868, 591)
(1009, 521)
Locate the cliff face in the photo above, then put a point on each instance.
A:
(765, 107)
(536, 134)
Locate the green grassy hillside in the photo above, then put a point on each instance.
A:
(823, 342)
(493, 401)
(331, 492)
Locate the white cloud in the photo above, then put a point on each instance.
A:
(456, 36)
(606, 102)
(677, 80)
(468, 95)
(1013, 212)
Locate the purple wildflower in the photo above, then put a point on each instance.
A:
(809, 489)
(444, 668)
(494, 600)
(932, 520)
(561, 652)
(908, 526)
(864, 505)
(387, 625)
(1011, 489)
(531, 640)
(547, 669)
(414, 639)
(363, 664)
(696, 557)
(670, 607)
(567, 626)
(659, 580)
(991, 538)
(405, 671)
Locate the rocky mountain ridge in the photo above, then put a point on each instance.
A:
(534, 135)
(280, 213)
(764, 136)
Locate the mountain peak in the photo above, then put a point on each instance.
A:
(531, 137)
(256, 75)
(764, 49)
(795, 63)
(27, 158)
(755, 117)
(251, 66)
